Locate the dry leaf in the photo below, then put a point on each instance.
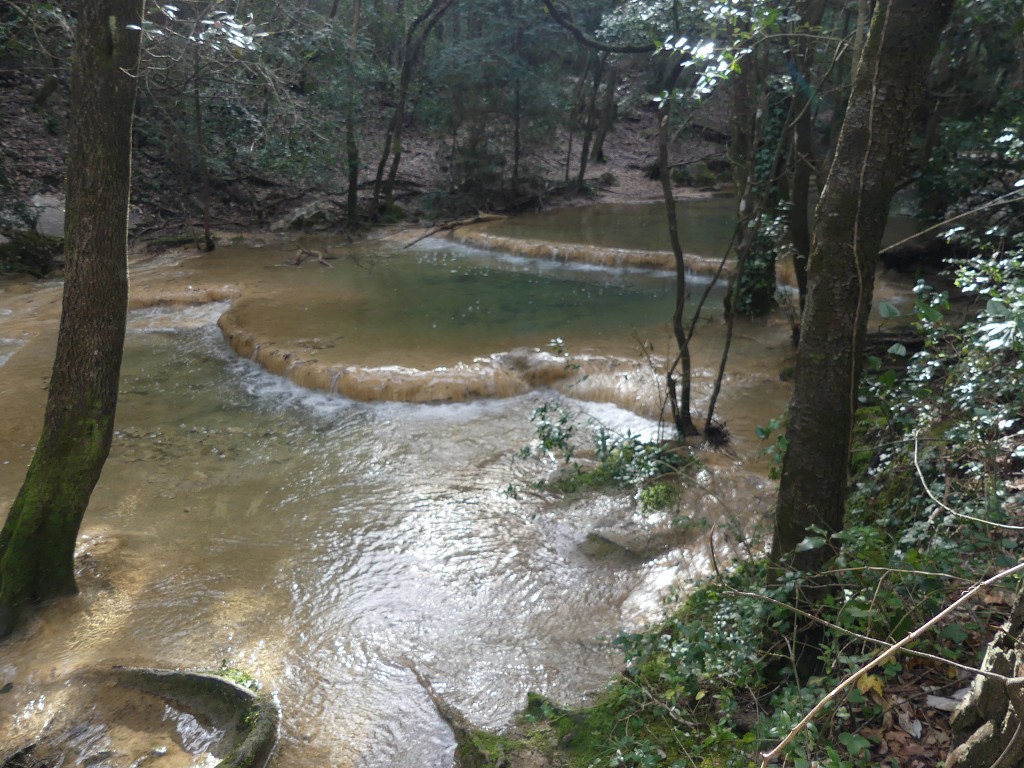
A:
(999, 597)
(942, 703)
(910, 725)
(869, 683)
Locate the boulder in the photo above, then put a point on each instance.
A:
(127, 717)
(49, 209)
(319, 214)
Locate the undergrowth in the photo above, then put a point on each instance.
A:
(653, 470)
(937, 470)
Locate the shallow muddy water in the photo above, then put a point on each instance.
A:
(328, 545)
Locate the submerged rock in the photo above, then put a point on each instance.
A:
(250, 719)
(129, 717)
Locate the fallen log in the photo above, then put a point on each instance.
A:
(479, 218)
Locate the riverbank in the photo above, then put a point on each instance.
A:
(34, 139)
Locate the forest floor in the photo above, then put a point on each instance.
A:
(33, 150)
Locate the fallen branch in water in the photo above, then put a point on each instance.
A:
(305, 253)
(467, 753)
(479, 218)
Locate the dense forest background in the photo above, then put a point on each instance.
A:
(243, 117)
(900, 466)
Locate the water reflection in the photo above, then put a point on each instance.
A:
(705, 226)
(318, 543)
(325, 544)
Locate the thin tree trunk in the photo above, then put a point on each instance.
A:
(803, 161)
(800, 192)
(607, 115)
(679, 397)
(568, 154)
(574, 109)
(352, 159)
(588, 111)
(517, 136)
(351, 145)
(858, 35)
(200, 139)
(415, 40)
(752, 286)
(743, 251)
(37, 543)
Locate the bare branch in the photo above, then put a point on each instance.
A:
(927, 490)
(881, 658)
(590, 42)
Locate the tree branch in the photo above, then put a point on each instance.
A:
(590, 42)
(768, 757)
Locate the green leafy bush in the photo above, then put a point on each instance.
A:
(625, 462)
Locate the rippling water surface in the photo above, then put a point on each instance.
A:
(327, 545)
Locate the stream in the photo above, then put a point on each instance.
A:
(329, 537)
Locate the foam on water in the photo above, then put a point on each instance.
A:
(8, 347)
(176, 318)
(620, 421)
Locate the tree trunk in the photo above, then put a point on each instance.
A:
(679, 398)
(37, 543)
(574, 112)
(200, 139)
(415, 40)
(588, 119)
(803, 161)
(849, 222)
(800, 191)
(352, 159)
(756, 137)
(351, 145)
(517, 134)
(607, 115)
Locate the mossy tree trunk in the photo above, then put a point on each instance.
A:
(37, 542)
(849, 221)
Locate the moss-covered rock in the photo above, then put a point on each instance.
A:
(256, 716)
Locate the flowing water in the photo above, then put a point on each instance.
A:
(330, 544)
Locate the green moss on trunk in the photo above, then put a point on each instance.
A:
(37, 542)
